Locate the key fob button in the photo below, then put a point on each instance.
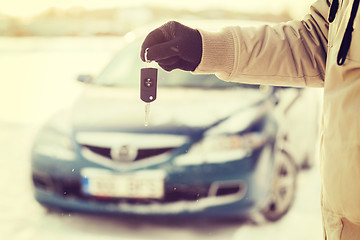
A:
(148, 82)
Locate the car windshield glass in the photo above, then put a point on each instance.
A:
(124, 71)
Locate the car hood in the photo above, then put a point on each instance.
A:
(114, 108)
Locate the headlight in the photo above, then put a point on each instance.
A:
(54, 140)
(241, 120)
(222, 148)
(226, 143)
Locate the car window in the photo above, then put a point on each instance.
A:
(124, 71)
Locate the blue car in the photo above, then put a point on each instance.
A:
(212, 148)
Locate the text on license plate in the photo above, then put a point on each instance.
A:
(124, 186)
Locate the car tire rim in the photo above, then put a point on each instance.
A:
(284, 187)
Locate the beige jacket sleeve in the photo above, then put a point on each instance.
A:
(287, 54)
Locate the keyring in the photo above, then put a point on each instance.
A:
(146, 54)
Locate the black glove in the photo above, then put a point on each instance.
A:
(172, 46)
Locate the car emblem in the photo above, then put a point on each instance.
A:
(124, 153)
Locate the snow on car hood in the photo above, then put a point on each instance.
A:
(105, 107)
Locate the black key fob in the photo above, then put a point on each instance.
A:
(148, 84)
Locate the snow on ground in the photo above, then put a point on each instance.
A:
(36, 79)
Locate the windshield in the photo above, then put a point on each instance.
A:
(124, 71)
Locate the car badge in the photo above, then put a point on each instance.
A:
(124, 153)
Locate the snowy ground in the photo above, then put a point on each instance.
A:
(36, 79)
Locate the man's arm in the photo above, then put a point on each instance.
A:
(288, 54)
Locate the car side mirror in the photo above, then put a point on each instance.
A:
(85, 78)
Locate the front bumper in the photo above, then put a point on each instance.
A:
(235, 188)
(211, 206)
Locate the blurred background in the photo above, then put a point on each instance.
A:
(44, 46)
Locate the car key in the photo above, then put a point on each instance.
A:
(148, 87)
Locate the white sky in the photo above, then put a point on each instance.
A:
(27, 8)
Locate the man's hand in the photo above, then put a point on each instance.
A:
(172, 46)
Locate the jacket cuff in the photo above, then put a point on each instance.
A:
(218, 52)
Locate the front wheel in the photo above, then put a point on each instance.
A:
(283, 189)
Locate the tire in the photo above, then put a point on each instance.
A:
(284, 187)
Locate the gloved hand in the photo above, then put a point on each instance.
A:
(172, 46)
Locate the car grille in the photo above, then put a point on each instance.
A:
(129, 147)
(186, 193)
(62, 187)
(141, 153)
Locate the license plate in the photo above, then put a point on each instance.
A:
(145, 184)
